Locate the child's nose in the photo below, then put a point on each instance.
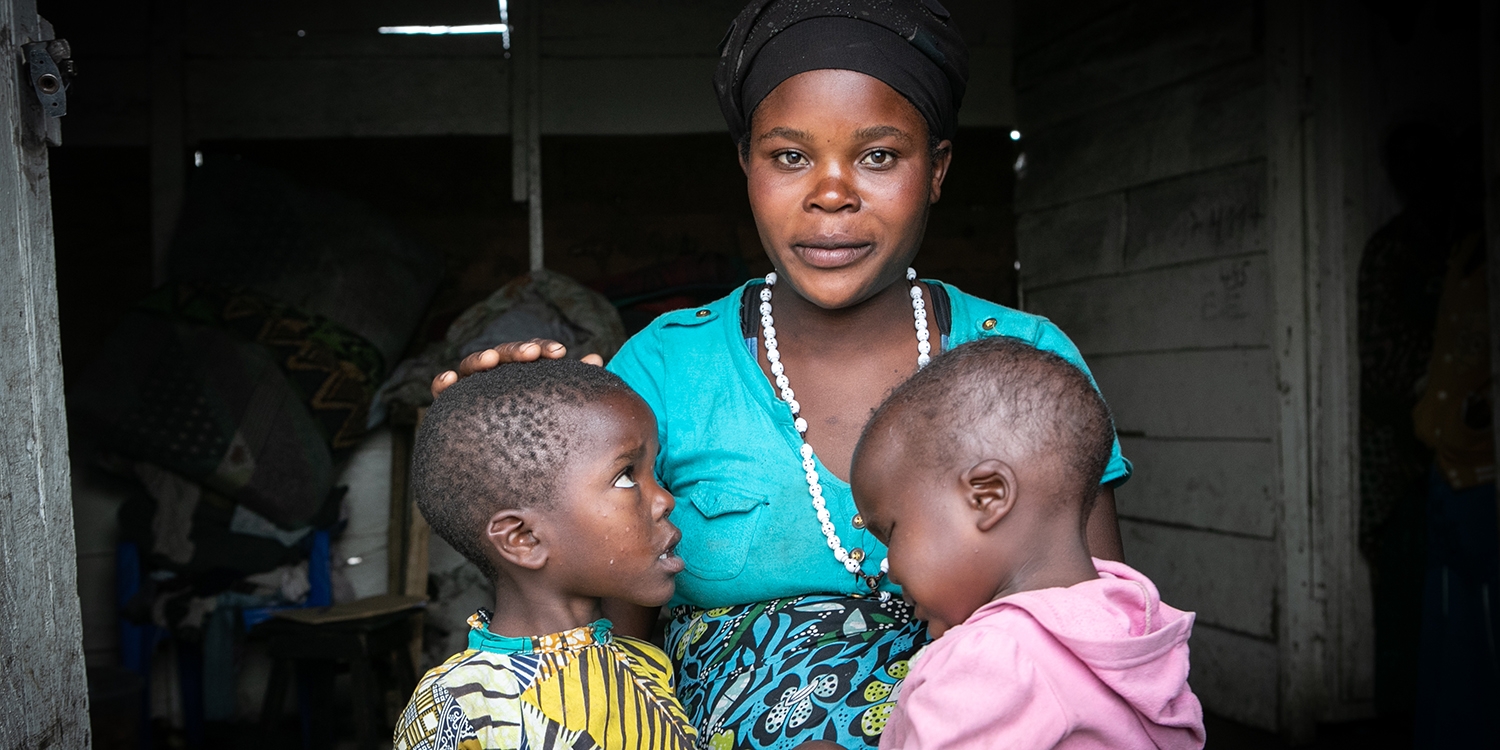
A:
(665, 503)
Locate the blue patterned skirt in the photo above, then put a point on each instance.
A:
(775, 674)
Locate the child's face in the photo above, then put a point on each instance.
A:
(613, 536)
(944, 564)
(840, 180)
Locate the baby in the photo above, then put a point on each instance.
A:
(978, 473)
(541, 474)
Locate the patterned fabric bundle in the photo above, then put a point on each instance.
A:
(818, 667)
(540, 304)
(581, 688)
(333, 370)
(229, 389)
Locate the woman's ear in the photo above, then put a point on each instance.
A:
(942, 156)
(512, 533)
(990, 489)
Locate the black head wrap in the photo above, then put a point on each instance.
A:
(909, 44)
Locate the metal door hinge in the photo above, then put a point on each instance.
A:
(50, 66)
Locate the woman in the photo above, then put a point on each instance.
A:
(784, 628)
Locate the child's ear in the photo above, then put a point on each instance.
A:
(990, 489)
(512, 534)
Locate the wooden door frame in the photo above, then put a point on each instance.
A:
(44, 696)
(1319, 159)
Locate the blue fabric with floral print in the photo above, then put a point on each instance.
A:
(775, 674)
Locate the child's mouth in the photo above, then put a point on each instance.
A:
(671, 561)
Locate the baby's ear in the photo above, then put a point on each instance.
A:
(990, 491)
(512, 534)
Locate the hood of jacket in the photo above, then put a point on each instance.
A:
(1118, 626)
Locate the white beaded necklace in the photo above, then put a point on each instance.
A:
(851, 562)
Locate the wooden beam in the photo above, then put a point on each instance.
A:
(516, 96)
(44, 694)
(1288, 200)
(418, 534)
(531, 49)
(400, 505)
(1342, 160)
(168, 144)
(1489, 30)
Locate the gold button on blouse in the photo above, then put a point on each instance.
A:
(988, 324)
(702, 313)
(859, 521)
(857, 555)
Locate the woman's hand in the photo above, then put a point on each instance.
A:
(515, 351)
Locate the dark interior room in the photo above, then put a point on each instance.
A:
(237, 262)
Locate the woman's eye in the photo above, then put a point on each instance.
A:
(880, 158)
(791, 159)
(626, 480)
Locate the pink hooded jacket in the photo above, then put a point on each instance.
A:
(1102, 664)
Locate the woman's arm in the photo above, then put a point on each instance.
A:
(1104, 528)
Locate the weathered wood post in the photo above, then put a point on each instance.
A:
(1489, 78)
(43, 691)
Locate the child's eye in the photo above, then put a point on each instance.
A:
(626, 480)
(880, 158)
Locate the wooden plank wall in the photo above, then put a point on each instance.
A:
(296, 69)
(1142, 233)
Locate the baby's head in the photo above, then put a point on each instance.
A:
(543, 473)
(980, 472)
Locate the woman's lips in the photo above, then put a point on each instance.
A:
(832, 255)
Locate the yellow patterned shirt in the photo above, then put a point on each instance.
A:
(581, 688)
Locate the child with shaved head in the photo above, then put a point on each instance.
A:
(979, 474)
(541, 474)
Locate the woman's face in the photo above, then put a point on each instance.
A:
(840, 181)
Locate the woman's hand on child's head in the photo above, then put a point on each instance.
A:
(514, 351)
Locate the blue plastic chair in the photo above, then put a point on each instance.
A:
(138, 642)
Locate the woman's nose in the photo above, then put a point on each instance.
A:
(833, 192)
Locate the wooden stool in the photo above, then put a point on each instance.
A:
(316, 640)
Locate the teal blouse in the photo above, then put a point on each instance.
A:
(729, 453)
